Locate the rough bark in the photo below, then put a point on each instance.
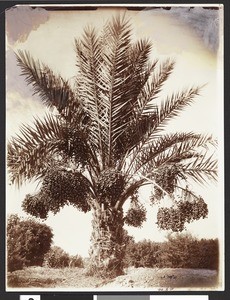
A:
(107, 243)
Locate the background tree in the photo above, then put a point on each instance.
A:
(56, 257)
(104, 139)
(76, 261)
(178, 251)
(27, 242)
(142, 254)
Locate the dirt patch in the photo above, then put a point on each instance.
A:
(143, 278)
(135, 278)
(36, 277)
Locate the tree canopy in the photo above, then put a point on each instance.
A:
(27, 242)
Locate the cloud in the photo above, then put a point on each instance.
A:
(205, 22)
(15, 82)
(21, 20)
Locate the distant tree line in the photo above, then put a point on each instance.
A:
(58, 258)
(179, 251)
(29, 243)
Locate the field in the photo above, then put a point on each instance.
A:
(135, 278)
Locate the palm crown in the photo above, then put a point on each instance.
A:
(105, 140)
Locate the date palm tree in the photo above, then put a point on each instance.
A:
(104, 139)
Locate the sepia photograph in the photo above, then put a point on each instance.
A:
(114, 148)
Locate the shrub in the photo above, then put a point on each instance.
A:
(27, 242)
(186, 251)
(208, 257)
(76, 261)
(57, 258)
(142, 254)
(179, 251)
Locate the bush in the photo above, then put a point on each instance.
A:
(179, 251)
(186, 251)
(76, 261)
(208, 254)
(27, 242)
(142, 254)
(57, 258)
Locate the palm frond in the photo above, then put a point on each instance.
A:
(140, 72)
(170, 149)
(53, 90)
(133, 134)
(196, 144)
(149, 110)
(153, 86)
(161, 145)
(174, 105)
(201, 169)
(114, 87)
(88, 51)
(29, 151)
(114, 76)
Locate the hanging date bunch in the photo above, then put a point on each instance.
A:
(109, 186)
(36, 205)
(136, 214)
(184, 211)
(59, 187)
(193, 210)
(166, 178)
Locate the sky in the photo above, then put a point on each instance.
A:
(191, 36)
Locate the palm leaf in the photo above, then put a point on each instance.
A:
(140, 72)
(197, 144)
(88, 51)
(53, 90)
(201, 169)
(153, 86)
(168, 109)
(30, 150)
(113, 74)
(133, 134)
(162, 145)
(172, 106)
(171, 149)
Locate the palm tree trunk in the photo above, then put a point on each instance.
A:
(107, 243)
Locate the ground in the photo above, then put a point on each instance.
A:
(134, 279)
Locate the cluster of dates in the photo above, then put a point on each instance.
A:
(60, 187)
(136, 214)
(166, 178)
(174, 218)
(109, 186)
